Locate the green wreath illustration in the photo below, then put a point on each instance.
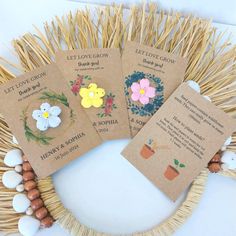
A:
(39, 136)
(150, 108)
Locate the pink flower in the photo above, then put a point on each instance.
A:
(75, 88)
(78, 82)
(108, 110)
(142, 91)
(109, 101)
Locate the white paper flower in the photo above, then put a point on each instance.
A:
(47, 116)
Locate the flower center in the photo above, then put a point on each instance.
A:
(45, 115)
(142, 91)
(91, 94)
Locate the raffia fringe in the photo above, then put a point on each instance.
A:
(211, 64)
(70, 223)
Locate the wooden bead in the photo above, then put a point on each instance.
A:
(47, 222)
(28, 175)
(216, 158)
(33, 194)
(36, 204)
(41, 213)
(26, 166)
(24, 158)
(30, 185)
(214, 167)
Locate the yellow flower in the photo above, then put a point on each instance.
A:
(92, 96)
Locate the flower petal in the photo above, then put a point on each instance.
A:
(54, 121)
(150, 92)
(144, 100)
(135, 96)
(55, 110)
(92, 86)
(45, 107)
(144, 83)
(37, 114)
(97, 102)
(135, 87)
(42, 124)
(84, 92)
(86, 102)
(100, 92)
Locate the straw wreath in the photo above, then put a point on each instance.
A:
(211, 64)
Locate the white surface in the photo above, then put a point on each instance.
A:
(102, 189)
(220, 11)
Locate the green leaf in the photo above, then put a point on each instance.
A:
(51, 96)
(176, 162)
(182, 165)
(87, 77)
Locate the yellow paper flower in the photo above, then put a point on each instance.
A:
(92, 96)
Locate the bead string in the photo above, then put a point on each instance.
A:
(33, 194)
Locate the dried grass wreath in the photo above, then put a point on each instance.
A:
(211, 64)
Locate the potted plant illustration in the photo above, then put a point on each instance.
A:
(150, 148)
(172, 171)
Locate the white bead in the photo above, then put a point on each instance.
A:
(13, 158)
(224, 166)
(11, 179)
(28, 226)
(229, 158)
(14, 140)
(207, 98)
(18, 168)
(223, 148)
(29, 211)
(20, 188)
(20, 203)
(194, 85)
(228, 141)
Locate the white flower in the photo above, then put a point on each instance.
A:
(47, 116)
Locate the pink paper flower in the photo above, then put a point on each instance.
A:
(142, 91)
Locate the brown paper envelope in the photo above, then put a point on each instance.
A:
(179, 140)
(164, 73)
(101, 66)
(48, 150)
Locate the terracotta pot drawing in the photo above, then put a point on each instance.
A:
(146, 152)
(171, 172)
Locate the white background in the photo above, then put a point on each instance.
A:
(101, 188)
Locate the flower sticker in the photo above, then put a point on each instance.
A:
(92, 96)
(47, 116)
(142, 91)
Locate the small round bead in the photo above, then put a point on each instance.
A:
(29, 211)
(20, 188)
(47, 222)
(216, 158)
(41, 213)
(24, 158)
(18, 168)
(28, 175)
(223, 148)
(26, 166)
(36, 204)
(214, 167)
(30, 185)
(33, 194)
